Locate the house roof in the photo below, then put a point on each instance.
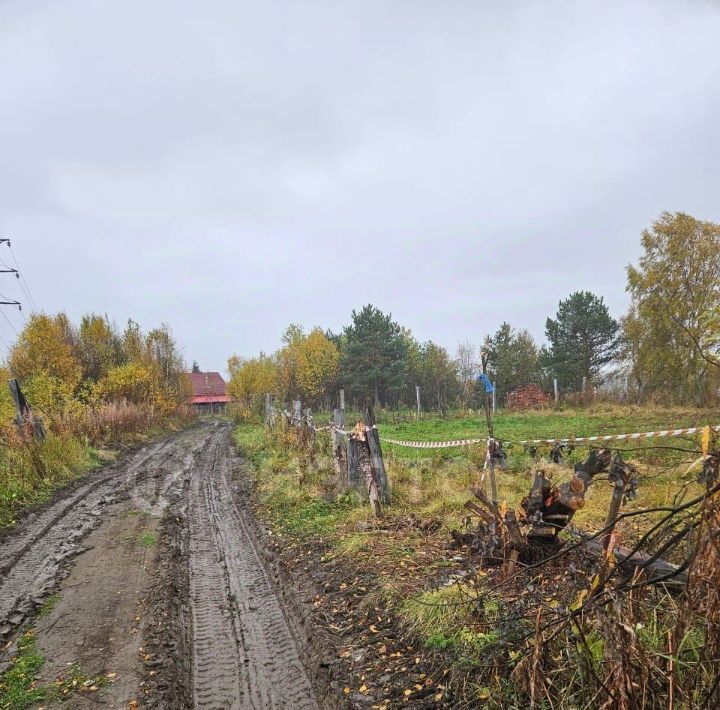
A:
(207, 385)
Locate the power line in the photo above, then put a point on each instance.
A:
(23, 282)
(7, 320)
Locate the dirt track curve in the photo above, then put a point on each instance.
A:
(234, 645)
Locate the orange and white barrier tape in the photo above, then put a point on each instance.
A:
(622, 437)
(434, 444)
(568, 440)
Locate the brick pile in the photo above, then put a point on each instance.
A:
(528, 397)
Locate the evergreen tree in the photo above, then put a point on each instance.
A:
(374, 360)
(583, 338)
(512, 359)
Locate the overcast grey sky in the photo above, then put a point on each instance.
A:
(229, 167)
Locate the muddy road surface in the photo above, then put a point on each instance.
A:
(152, 589)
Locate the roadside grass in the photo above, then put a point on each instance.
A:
(31, 471)
(29, 475)
(416, 577)
(48, 605)
(19, 687)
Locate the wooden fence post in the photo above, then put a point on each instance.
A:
(354, 451)
(491, 448)
(342, 400)
(373, 441)
(557, 392)
(417, 399)
(339, 447)
(361, 466)
(268, 409)
(23, 413)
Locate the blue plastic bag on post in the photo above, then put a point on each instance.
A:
(485, 381)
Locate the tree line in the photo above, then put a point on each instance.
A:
(69, 371)
(666, 348)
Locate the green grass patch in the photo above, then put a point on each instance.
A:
(518, 426)
(147, 539)
(18, 685)
(19, 688)
(251, 440)
(48, 606)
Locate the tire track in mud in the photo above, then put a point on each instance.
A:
(32, 556)
(244, 655)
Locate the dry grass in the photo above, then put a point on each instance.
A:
(514, 645)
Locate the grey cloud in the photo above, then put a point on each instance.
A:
(229, 167)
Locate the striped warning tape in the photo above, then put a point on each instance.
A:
(568, 440)
(344, 432)
(621, 437)
(434, 444)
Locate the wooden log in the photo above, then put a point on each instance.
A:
(517, 541)
(561, 503)
(373, 441)
(483, 515)
(630, 562)
(479, 493)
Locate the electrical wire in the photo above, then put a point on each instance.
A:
(9, 322)
(23, 282)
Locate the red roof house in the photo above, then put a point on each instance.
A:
(209, 390)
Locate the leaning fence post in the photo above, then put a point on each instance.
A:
(373, 441)
(362, 468)
(23, 411)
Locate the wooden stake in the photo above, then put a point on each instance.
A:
(373, 442)
(339, 448)
(614, 509)
(362, 466)
(268, 409)
(417, 398)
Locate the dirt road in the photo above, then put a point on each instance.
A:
(160, 595)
